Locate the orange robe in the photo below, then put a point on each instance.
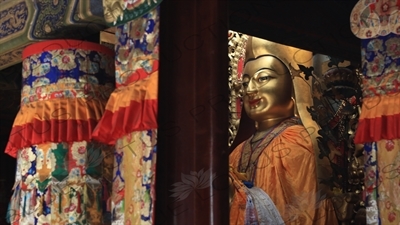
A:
(286, 171)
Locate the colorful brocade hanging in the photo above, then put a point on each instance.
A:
(377, 24)
(62, 176)
(379, 128)
(130, 120)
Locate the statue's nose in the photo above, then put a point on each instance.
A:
(251, 88)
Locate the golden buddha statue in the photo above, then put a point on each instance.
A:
(273, 174)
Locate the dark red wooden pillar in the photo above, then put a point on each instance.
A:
(192, 152)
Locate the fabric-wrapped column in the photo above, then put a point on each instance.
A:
(379, 127)
(130, 120)
(377, 24)
(192, 165)
(62, 176)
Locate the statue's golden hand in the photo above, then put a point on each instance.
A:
(231, 190)
(235, 181)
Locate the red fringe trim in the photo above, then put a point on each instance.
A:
(137, 116)
(53, 130)
(376, 129)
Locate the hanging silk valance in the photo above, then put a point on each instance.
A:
(66, 84)
(380, 114)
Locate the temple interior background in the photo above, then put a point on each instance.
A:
(317, 26)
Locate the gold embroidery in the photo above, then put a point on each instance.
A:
(113, 9)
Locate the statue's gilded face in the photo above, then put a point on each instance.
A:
(267, 87)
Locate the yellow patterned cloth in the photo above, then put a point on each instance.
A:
(134, 178)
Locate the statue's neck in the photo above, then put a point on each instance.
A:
(271, 122)
(265, 127)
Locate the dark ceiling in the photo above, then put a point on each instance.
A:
(315, 25)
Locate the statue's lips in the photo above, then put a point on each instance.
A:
(254, 102)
